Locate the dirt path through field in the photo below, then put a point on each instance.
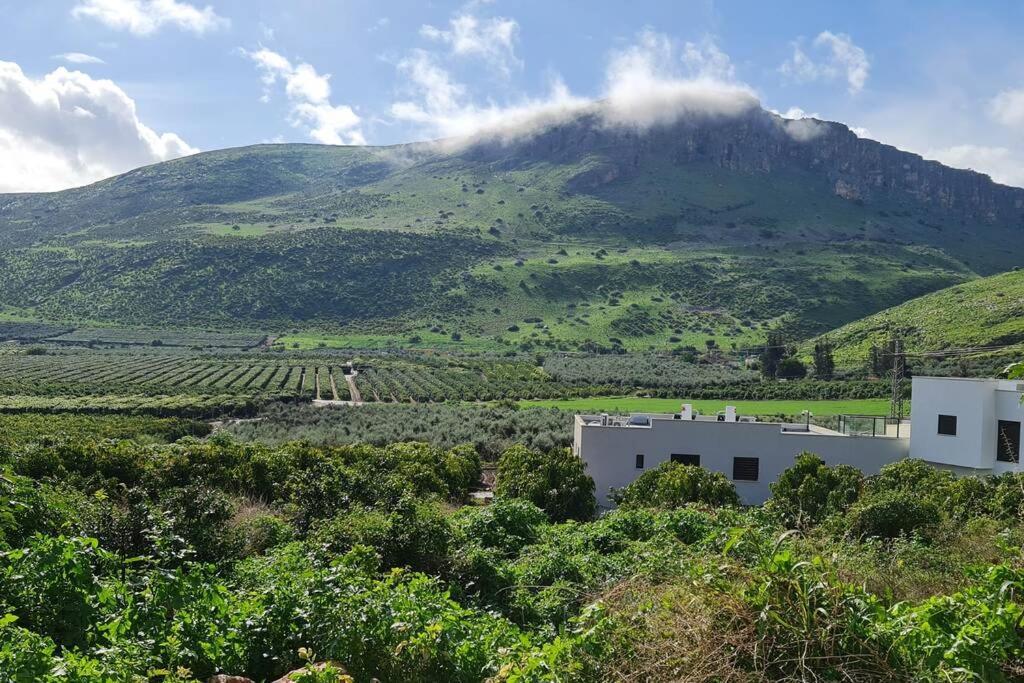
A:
(334, 387)
(353, 390)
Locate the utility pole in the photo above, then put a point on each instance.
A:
(896, 379)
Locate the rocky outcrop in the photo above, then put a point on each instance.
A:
(758, 141)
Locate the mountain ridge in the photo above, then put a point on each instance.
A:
(816, 225)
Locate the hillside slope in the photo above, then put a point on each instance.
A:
(986, 312)
(577, 235)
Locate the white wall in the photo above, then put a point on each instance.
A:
(973, 404)
(979, 404)
(610, 452)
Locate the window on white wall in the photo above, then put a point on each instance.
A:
(686, 459)
(639, 461)
(947, 425)
(745, 469)
(1008, 441)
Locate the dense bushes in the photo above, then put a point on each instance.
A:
(810, 491)
(125, 560)
(892, 514)
(904, 496)
(555, 481)
(673, 485)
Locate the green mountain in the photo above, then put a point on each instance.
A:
(987, 312)
(573, 236)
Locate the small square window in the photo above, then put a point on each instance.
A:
(686, 459)
(947, 425)
(639, 461)
(745, 469)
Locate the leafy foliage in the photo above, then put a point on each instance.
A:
(672, 485)
(810, 491)
(555, 481)
(124, 561)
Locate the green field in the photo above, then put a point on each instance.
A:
(633, 404)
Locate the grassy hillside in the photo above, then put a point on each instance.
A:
(578, 238)
(983, 312)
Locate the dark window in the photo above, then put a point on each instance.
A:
(639, 461)
(686, 459)
(947, 425)
(745, 469)
(1008, 446)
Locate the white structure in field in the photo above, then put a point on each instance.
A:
(972, 426)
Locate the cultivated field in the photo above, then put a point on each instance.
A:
(59, 374)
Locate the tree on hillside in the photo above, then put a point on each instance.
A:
(791, 368)
(824, 363)
(773, 353)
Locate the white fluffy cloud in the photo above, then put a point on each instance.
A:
(492, 39)
(652, 82)
(444, 109)
(78, 58)
(1008, 108)
(145, 17)
(999, 162)
(645, 84)
(309, 93)
(68, 129)
(842, 59)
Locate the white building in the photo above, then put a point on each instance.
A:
(972, 426)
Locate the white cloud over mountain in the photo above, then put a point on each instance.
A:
(145, 17)
(67, 129)
(654, 81)
(309, 93)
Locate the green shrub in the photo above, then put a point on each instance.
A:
(507, 525)
(24, 655)
(914, 477)
(53, 586)
(414, 535)
(1007, 496)
(254, 532)
(791, 368)
(28, 507)
(892, 514)
(199, 515)
(810, 491)
(403, 627)
(556, 482)
(673, 485)
(971, 635)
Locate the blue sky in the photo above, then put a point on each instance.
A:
(89, 88)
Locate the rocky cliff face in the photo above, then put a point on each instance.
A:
(853, 168)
